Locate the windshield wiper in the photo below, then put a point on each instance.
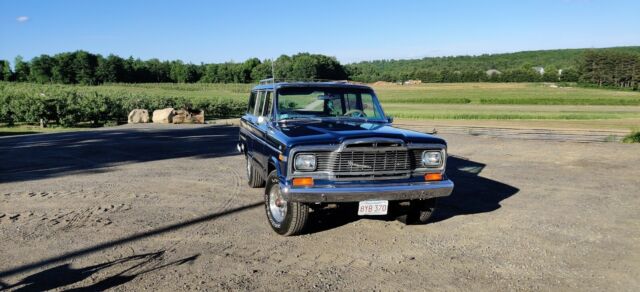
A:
(301, 119)
(359, 119)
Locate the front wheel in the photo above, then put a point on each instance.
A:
(286, 218)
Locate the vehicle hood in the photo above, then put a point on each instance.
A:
(335, 132)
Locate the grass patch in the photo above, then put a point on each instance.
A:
(633, 137)
(26, 129)
(503, 116)
(611, 138)
(560, 101)
(433, 100)
(504, 93)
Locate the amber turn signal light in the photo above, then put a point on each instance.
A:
(432, 176)
(302, 182)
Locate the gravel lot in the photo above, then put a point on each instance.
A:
(167, 208)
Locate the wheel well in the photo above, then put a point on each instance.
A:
(271, 167)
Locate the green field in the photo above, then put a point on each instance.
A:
(481, 102)
(523, 102)
(504, 93)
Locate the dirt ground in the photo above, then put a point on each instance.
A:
(167, 208)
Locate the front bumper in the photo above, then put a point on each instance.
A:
(356, 193)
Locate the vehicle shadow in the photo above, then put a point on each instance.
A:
(40, 156)
(472, 194)
(64, 275)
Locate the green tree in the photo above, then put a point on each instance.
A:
(158, 71)
(184, 73)
(550, 74)
(22, 70)
(5, 70)
(63, 70)
(570, 75)
(247, 68)
(110, 69)
(42, 69)
(261, 71)
(85, 65)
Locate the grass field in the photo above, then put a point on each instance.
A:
(197, 90)
(504, 93)
(538, 104)
(513, 104)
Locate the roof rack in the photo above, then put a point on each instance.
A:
(289, 80)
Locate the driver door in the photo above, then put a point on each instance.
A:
(262, 124)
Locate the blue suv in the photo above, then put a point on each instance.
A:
(311, 144)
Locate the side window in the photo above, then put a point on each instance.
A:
(268, 104)
(252, 103)
(259, 104)
(368, 107)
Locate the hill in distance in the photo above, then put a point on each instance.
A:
(559, 59)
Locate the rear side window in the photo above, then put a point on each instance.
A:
(252, 103)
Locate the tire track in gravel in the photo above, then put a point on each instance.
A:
(225, 206)
(70, 218)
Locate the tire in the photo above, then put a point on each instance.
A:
(253, 175)
(419, 212)
(287, 219)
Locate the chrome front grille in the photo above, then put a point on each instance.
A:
(364, 159)
(416, 155)
(365, 163)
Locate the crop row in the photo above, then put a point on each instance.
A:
(69, 106)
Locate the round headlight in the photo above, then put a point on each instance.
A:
(431, 158)
(305, 162)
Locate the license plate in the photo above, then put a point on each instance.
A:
(373, 208)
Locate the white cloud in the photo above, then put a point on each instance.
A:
(22, 18)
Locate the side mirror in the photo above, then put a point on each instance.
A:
(390, 119)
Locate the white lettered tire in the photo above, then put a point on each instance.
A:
(286, 218)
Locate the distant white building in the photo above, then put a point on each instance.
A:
(539, 69)
(492, 72)
(412, 82)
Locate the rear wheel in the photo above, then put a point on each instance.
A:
(419, 211)
(253, 175)
(286, 218)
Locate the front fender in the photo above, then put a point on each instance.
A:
(278, 166)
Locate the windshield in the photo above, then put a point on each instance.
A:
(301, 103)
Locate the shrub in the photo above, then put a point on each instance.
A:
(71, 105)
(633, 137)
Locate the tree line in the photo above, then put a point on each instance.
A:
(85, 68)
(531, 66)
(612, 67)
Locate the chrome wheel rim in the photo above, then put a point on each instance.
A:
(277, 205)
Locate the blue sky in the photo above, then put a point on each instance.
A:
(219, 31)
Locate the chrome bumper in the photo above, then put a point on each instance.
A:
(356, 193)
